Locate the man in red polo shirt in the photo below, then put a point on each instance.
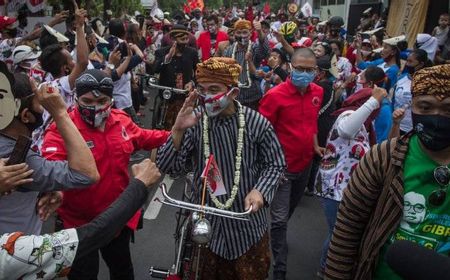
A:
(112, 137)
(209, 40)
(293, 108)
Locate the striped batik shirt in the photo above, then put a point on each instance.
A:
(263, 165)
(260, 50)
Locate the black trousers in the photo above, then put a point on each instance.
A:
(116, 255)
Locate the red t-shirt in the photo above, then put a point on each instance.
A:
(294, 118)
(204, 43)
(111, 149)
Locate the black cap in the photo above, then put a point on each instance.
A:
(324, 63)
(95, 81)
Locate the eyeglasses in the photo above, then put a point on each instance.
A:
(442, 177)
(418, 208)
(304, 69)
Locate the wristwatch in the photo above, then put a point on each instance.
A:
(110, 66)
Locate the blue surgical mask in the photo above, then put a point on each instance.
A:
(302, 79)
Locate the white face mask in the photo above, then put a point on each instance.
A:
(215, 103)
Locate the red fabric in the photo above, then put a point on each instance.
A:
(204, 42)
(266, 9)
(294, 118)
(355, 101)
(111, 149)
(5, 21)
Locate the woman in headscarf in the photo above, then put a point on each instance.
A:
(350, 138)
(427, 43)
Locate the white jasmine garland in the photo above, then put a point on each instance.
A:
(237, 172)
(233, 56)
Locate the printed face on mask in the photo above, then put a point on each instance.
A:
(94, 110)
(431, 121)
(9, 106)
(214, 97)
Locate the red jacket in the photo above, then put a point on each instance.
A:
(111, 149)
(204, 43)
(294, 118)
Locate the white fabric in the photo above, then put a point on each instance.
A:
(403, 99)
(352, 121)
(428, 44)
(122, 92)
(37, 256)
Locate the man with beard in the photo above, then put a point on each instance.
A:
(249, 55)
(251, 162)
(176, 66)
(208, 41)
(112, 137)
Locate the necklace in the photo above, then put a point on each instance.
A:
(238, 161)
(233, 55)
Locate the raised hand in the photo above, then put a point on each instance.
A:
(146, 172)
(186, 117)
(51, 100)
(48, 204)
(379, 93)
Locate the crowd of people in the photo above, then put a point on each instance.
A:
(287, 105)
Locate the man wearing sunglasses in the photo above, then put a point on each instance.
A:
(399, 189)
(112, 137)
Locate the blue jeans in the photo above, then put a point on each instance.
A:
(330, 208)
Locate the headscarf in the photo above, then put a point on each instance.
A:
(355, 101)
(427, 43)
(433, 81)
(242, 24)
(219, 69)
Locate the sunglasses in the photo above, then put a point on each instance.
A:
(442, 177)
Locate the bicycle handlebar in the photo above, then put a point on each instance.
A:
(202, 209)
(175, 90)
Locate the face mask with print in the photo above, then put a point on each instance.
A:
(243, 40)
(432, 130)
(302, 79)
(215, 103)
(95, 116)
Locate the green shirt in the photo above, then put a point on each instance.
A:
(424, 224)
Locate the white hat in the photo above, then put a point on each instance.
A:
(24, 52)
(377, 50)
(60, 37)
(368, 10)
(394, 40)
(366, 41)
(373, 31)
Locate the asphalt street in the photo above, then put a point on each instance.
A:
(154, 244)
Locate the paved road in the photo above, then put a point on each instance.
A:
(154, 245)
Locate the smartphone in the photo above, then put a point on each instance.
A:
(20, 151)
(123, 48)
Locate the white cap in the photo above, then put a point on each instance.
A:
(377, 50)
(366, 11)
(59, 36)
(24, 52)
(373, 31)
(366, 41)
(394, 40)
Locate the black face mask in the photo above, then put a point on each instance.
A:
(181, 46)
(38, 122)
(410, 70)
(432, 130)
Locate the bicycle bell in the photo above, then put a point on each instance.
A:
(167, 94)
(201, 232)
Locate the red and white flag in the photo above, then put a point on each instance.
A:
(213, 178)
